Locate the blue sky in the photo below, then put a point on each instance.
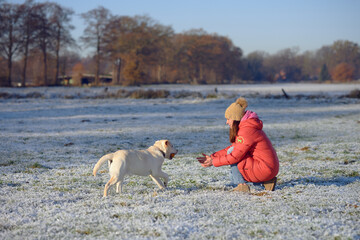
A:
(265, 25)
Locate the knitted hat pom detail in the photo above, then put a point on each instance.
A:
(242, 102)
(236, 110)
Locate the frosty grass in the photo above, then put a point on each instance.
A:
(50, 145)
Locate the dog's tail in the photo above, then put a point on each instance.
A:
(101, 161)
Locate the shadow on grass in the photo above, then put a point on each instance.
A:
(318, 181)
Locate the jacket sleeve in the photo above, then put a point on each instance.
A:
(220, 153)
(239, 152)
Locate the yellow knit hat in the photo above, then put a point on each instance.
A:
(236, 110)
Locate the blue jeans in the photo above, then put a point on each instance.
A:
(235, 175)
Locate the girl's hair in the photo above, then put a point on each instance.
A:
(233, 131)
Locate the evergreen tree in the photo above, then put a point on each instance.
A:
(324, 73)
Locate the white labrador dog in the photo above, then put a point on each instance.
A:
(137, 162)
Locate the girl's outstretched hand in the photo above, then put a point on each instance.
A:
(206, 161)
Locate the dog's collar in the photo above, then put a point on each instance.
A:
(162, 152)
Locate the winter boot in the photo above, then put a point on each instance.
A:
(241, 188)
(270, 185)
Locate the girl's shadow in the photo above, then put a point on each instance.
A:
(337, 181)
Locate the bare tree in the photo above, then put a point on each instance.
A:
(113, 31)
(28, 28)
(60, 21)
(10, 36)
(93, 36)
(138, 44)
(44, 35)
(67, 60)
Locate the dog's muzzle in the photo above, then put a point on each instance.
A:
(172, 155)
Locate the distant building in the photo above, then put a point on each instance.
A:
(86, 79)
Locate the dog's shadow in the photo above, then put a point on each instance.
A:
(318, 181)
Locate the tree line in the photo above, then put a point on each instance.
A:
(37, 49)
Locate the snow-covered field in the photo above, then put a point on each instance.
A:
(49, 146)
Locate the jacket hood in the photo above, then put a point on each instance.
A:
(249, 114)
(251, 122)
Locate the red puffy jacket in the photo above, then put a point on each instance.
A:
(253, 152)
